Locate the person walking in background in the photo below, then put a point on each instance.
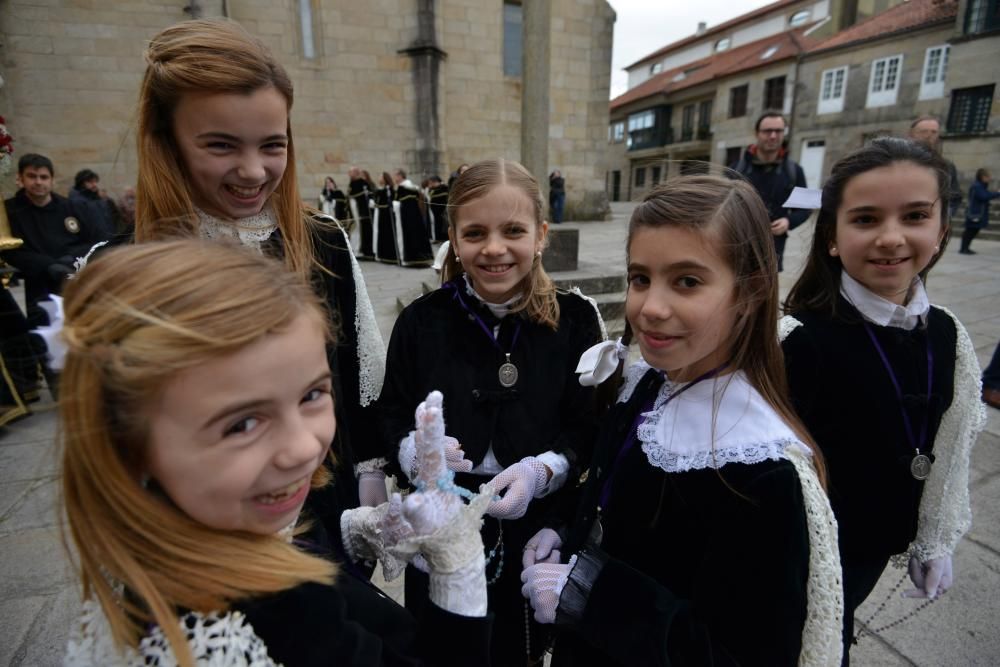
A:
(769, 169)
(557, 196)
(977, 213)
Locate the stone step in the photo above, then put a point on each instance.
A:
(589, 284)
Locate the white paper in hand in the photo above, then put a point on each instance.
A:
(810, 198)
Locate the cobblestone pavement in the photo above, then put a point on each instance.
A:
(38, 598)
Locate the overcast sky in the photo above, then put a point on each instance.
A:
(643, 26)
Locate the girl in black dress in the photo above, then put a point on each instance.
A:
(863, 346)
(501, 342)
(703, 535)
(196, 416)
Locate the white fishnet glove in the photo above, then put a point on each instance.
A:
(931, 579)
(543, 547)
(371, 488)
(543, 584)
(445, 529)
(518, 484)
(453, 454)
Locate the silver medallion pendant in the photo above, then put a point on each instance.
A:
(920, 467)
(507, 375)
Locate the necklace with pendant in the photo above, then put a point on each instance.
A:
(920, 464)
(507, 373)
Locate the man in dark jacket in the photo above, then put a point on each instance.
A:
(54, 230)
(767, 166)
(927, 130)
(87, 195)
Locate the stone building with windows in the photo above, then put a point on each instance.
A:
(420, 84)
(842, 71)
(972, 120)
(873, 79)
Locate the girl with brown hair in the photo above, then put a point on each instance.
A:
(217, 160)
(703, 535)
(501, 342)
(196, 414)
(861, 339)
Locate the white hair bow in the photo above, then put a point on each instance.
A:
(599, 362)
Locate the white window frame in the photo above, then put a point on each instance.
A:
(306, 26)
(932, 82)
(885, 72)
(618, 132)
(829, 99)
(641, 120)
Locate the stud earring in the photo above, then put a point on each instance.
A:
(833, 251)
(458, 259)
(538, 253)
(937, 248)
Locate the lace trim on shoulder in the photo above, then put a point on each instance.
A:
(215, 640)
(822, 644)
(945, 514)
(371, 349)
(714, 458)
(597, 311)
(787, 325)
(632, 375)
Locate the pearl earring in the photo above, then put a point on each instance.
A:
(538, 253)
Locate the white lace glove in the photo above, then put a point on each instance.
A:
(518, 484)
(543, 547)
(453, 454)
(445, 531)
(932, 578)
(543, 584)
(371, 488)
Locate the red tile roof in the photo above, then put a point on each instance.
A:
(904, 17)
(731, 23)
(789, 45)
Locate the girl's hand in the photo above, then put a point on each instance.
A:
(932, 578)
(543, 584)
(517, 485)
(542, 548)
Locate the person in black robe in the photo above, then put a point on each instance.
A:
(437, 207)
(360, 192)
(384, 222)
(414, 246)
(333, 202)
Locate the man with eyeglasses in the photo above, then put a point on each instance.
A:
(767, 166)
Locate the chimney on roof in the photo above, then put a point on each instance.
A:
(702, 28)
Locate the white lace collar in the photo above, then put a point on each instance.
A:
(717, 421)
(883, 312)
(499, 310)
(250, 231)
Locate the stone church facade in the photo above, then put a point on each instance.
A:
(420, 84)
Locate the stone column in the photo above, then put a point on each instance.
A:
(426, 57)
(536, 30)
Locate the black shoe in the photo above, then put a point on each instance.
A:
(966, 252)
